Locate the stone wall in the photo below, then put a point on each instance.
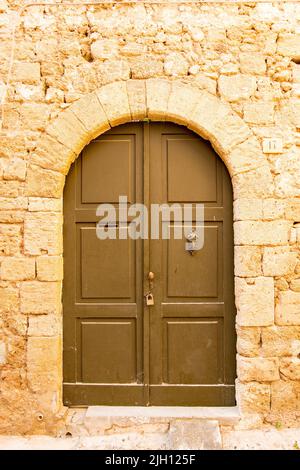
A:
(229, 72)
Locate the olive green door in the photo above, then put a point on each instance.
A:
(118, 350)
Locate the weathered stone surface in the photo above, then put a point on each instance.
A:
(278, 261)
(45, 155)
(17, 269)
(40, 297)
(245, 156)
(254, 397)
(49, 268)
(40, 204)
(248, 209)
(43, 233)
(285, 396)
(257, 369)
(44, 358)
(10, 239)
(136, 90)
(252, 63)
(204, 435)
(287, 311)
(26, 72)
(69, 131)
(15, 170)
(288, 45)
(247, 261)
(280, 341)
(2, 353)
(9, 299)
(256, 183)
(236, 87)
(44, 183)
(44, 325)
(91, 114)
(255, 301)
(261, 233)
(290, 368)
(259, 113)
(181, 102)
(114, 100)
(157, 97)
(176, 64)
(248, 341)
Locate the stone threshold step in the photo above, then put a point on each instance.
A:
(224, 415)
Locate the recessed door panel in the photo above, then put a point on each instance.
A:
(107, 266)
(194, 275)
(99, 182)
(193, 351)
(108, 351)
(192, 170)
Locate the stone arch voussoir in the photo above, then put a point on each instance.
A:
(154, 99)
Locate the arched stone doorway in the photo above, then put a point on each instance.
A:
(155, 99)
(179, 349)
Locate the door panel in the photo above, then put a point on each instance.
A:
(118, 351)
(192, 320)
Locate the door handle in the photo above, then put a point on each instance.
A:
(151, 276)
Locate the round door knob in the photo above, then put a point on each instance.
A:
(150, 276)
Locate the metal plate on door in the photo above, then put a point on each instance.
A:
(149, 299)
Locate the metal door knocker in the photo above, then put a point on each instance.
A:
(190, 245)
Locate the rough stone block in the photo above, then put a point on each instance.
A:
(49, 268)
(248, 209)
(237, 87)
(255, 301)
(245, 156)
(41, 204)
(288, 45)
(259, 113)
(278, 261)
(44, 325)
(45, 155)
(17, 269)
(44, 363)
(285, 396)
(247, 261)
(9, 299)
(287, 311)
(136, 90)
(290, 368)
(261, 232)
(253, 397)
(280, 341)
(158, 92)
(69, 131)
(181, 102)
(2, 353)
(256, 183)
(10, 239)
(253, 63)
(260, 369)
(40, 297)
(114, 100)
(15, 170)
(43, 233)
(248, 340)
(91, 114)
(26, 72)
(44, 183)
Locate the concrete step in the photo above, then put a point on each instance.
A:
(152, 427)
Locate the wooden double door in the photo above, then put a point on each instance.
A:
(118, 350)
